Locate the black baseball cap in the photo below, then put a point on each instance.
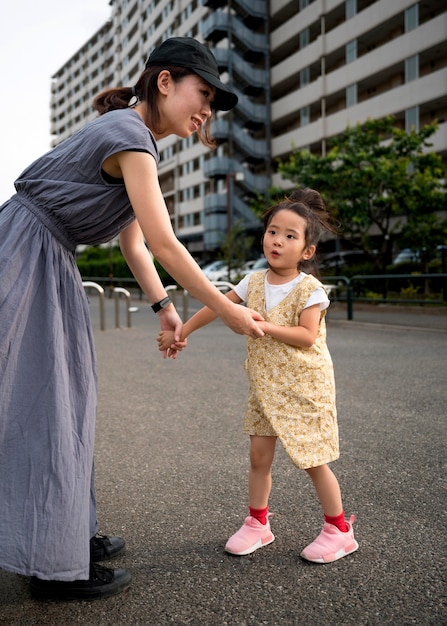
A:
(188, 52)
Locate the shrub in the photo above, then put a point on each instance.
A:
(101, 262)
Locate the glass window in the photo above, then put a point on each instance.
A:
(412, 68)
(351, 95)
(350, 8)
(304, 38)
(305, 116)
(412, 18)
(351, 51)
(303, 4)
(412, 120)
(304, 77)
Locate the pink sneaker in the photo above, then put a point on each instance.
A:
(331, 544)
(250, 536)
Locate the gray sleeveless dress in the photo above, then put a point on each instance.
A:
(48, 388)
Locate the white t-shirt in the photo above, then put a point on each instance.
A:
(275, 293)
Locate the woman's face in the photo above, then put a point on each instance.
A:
(185, 105)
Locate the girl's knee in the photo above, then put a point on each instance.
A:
(262, 450)
(315, 472)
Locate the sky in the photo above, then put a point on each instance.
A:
(36, 38)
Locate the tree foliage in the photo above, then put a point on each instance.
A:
(379, 181)
(235, 247)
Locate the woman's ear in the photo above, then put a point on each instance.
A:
(164, 82)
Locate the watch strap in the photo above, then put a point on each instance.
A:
(161, 304)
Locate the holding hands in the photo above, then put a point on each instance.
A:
(168, 344)
(241, 320)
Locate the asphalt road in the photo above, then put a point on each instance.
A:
(171, 464)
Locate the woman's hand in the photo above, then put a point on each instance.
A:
(171, 323)
(242, 320)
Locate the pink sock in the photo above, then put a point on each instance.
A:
(338, 521)
(259, 514)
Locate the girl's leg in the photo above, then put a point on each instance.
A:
(262, 452)
(336, 540)
(255, 532)
(327, 488)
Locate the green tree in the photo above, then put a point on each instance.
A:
(380, 181)
(235, 247)
(261, 202)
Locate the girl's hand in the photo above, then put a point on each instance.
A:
(165, 339)
(168, 345)
(171, 323)
(177, 347)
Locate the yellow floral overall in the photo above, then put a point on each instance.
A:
(292, 390)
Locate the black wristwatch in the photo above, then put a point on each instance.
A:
(161, 304)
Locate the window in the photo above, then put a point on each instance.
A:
(304, 77)
(411, 18)
(351, 95)
(350, 8)
(351, 51)
(412, 120)
(303, 4)
(305, 116)
(304, 38)
(412, 68)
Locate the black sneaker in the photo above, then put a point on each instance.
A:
(102, 582)
(103, 548)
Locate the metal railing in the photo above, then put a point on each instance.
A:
(117, 293)
(102, 307)
(339, 288)
(349, 285)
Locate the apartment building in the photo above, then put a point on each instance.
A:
(303, 70)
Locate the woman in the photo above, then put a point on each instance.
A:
(86, 191)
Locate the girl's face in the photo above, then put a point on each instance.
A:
(284, 241)
(184, 106)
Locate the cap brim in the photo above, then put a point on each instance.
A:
(225, 99)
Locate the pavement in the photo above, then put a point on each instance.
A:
(171, 465)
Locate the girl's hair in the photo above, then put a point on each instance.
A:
(308, 204)
(146, 90)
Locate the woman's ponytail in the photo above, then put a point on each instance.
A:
(113, 99)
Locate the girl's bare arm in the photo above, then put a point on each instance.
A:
(302, 336)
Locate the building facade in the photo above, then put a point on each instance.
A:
(303, 70)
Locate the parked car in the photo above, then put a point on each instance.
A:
(218, 270)
(407, 256)
(342, 258)
(247, 266)
(259, 264)
(214, 269)
(223, 274)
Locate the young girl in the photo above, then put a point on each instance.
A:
(100, 182)
(292, 390)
